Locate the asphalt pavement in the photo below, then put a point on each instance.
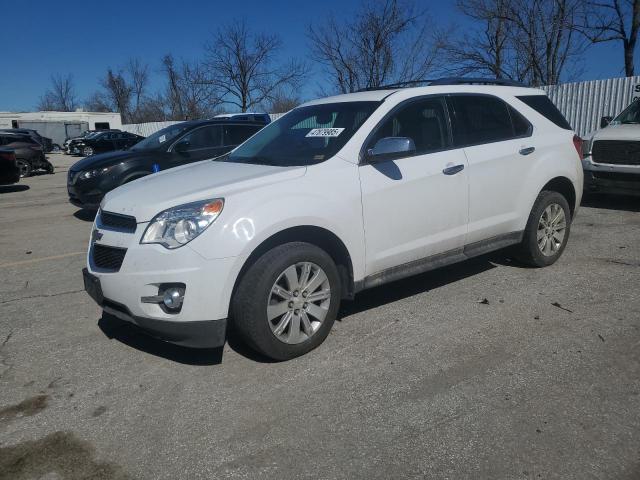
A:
(483, 370)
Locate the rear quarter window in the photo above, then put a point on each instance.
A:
(546, 108)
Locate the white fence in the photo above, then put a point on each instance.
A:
(582, 103)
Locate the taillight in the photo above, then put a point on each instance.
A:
(577, 142)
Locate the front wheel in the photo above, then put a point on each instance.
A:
(87, 151)
(287, 301)
(547, 231)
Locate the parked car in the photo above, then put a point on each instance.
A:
(612, 156)
(106, 141)
(29, 153)
(47, 143)
(9, 171)
(263, 118)
(66, 146)
(91, 178)
(338, 195)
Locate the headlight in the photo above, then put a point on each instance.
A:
(179, 225)
(94, 173)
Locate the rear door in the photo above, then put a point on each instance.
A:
(500, 150)
(415, 206)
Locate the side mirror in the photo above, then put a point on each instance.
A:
(604, 121)
(182, 147)
(390, 147)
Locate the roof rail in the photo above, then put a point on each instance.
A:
(447, 81)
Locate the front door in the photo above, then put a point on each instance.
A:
(199, 144)
(415, 206)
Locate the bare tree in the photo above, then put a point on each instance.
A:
(188, 95)
(139, 79)
(386, 42)
(61, 96)
(487, 50)
(614, 20)
(283, 102)
(242, 67)
(545, 37)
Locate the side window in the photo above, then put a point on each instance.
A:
(423, 121)
(480, 119)
(521, 126)
(236, 134)
(204, 137)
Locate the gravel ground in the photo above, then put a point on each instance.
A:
(423, 378)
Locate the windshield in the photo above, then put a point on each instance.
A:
(629, 115)
(304, 136)
(161, 137)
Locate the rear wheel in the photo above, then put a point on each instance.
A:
(49, 168)
(24, 167)
(547, 231)
(287, 301)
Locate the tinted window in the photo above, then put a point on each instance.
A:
(236, 134)
(423, 121)
(521, 126)
(546, 108)
(204, 137)
(480, 119)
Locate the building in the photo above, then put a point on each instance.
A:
(60, 125)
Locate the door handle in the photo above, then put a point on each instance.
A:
(453, 169)
(527, 150)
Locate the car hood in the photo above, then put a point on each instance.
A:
(618, 132)
(107, 159)
(146, 197)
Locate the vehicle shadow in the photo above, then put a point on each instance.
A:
(408, 287)
(13, 188)
(85, 215)
(611, 202)
(132, 336)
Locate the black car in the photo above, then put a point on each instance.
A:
(46, 142)
(29, 153)
(9, 171)
(106, 141)
(91, 178)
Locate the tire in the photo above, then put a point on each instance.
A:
(49, 168)
(544, 241)
(87, 151)
(24, 167)
(278, 338)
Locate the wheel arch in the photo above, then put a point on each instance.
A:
(318, 236)
(565, 187)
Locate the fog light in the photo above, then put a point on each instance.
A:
(172, 298)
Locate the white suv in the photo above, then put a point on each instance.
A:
(339, 195)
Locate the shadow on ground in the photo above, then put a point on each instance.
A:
(85, 215)
(134, 337)
(13, 188)
(612, 202)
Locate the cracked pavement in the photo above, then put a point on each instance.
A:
(422, 378)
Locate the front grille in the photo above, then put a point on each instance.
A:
(617, 176)
(616, 152)
(108, 258)
(123, 223)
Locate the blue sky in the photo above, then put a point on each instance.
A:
(86, 37)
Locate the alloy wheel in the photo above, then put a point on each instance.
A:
(298, 302)
(551, 229)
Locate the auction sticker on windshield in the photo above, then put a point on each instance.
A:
(324, 132)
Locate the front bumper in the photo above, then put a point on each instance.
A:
(614, 179)
(200, 323)
(83, 194)
(194, 334)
